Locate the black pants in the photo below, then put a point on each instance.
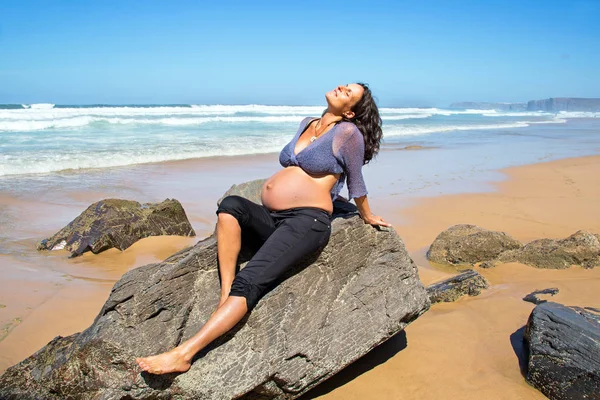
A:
(284, 237)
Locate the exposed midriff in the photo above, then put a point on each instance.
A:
(292, 187)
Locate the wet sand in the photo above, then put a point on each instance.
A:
(466, 349)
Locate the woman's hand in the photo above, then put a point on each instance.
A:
(365, 212)
(375, 220)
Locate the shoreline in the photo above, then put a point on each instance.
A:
(68, 296)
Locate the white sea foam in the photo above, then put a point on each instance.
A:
(193, 115)
(53, 162)
(36, 125)
(41, 106)
(550, 121)
(404, 116)
(432, 111)
(44, 112)
(414, 130)
(516, 114)
(579, 114)
(74, 122)
(258, 109)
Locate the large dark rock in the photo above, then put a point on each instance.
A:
(469, 244)
(556, 104)
(564, 351)
(334, 307)
(466, 283)
(581, 248)
(119, 223)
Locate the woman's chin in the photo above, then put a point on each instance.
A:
(330, 97)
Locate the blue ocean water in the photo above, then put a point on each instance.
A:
(47, 138)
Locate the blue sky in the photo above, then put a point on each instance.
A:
(422, 53)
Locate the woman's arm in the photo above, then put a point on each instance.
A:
(365, 212)
(353, 152)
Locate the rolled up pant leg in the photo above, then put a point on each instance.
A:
(294, 238)
(255, 220)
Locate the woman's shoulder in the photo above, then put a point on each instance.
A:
(347, 130)
(307, 121)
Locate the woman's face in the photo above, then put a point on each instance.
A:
(343, 98)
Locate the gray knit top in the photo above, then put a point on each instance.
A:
(341, 150)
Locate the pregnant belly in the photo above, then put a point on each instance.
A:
(292, 187)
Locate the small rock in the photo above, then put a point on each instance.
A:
(564, 351)
(469, 244)
(581, 248)
(467, 283)
(533, 296)
(119, 223)
(488, 264)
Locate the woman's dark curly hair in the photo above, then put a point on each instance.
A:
(367, 120)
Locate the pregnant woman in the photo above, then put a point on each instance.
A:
(294, 218)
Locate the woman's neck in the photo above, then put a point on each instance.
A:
(329, 118)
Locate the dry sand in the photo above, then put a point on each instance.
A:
(466, 349)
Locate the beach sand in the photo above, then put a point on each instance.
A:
(468, 349)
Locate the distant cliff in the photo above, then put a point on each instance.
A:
(556, 104)
(474, 105)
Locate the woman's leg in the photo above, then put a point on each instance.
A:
(180, 358)
(299, 234)
(295, 238)
(234, 215)
(229, 243)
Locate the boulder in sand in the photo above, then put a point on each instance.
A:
(581, 248)
(534, 297)
(466, 283)
(333, 308)
(564, 351)
(469, 244)
(119, 223)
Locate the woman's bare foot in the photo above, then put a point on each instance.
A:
(165, 363)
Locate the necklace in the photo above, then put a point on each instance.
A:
(317, 134)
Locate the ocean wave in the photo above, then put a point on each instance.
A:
(516, 114)
(36, 125)
(43, 112)
(23, 125)
(49, 112)
(132, 111)
(26, 125)
(415, 130)
(259, 109)
(404, 116)
(41, 106)
(432, 111)
(56, 162)
(579, 114)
